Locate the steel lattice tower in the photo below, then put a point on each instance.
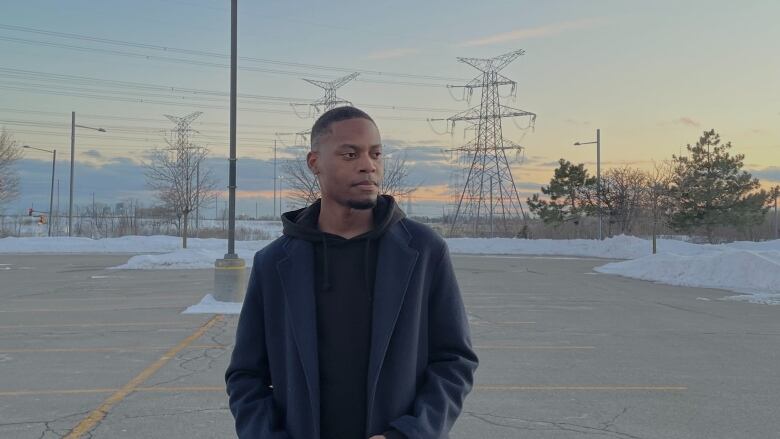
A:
(488, 195)
(180, 136)
(327, 102)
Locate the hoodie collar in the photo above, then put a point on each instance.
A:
(303, 224)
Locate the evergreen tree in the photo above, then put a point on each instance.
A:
(571, 195)
(710, 189)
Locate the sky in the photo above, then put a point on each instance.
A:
(652, 76)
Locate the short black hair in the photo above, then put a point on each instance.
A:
(328, 118)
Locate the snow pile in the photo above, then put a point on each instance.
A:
(210, 305)
(125, 244)
(618, 247)
(756, 273)
(190, 258)
(745, 267)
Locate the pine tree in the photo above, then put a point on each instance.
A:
(710, 189)
(571, 195)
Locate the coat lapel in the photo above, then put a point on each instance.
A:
(395, 263)
(296, 272)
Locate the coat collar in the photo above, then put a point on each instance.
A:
(395, 263)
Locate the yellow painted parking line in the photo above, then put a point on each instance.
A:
(182, 389)
(90, 299)
(84, 309)
(44, 392)
(95, 325)
(97, 415)
(107, 349)
(220, 389)
(597, 388)
(531, 347)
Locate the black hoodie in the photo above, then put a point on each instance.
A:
(345, 270)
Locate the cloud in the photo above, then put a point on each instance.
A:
(688, 121)
(683, 120)
(94, 153)
(534, 32)
(770, 173)
(393, 53)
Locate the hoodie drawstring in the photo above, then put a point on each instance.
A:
(326, 279)
(366, 280)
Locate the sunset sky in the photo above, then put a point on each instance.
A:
(651, 75)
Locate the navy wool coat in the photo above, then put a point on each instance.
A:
(421, 363)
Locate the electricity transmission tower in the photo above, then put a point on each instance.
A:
(488, 195)
(181, 135)
(327, 102)
(182, 196)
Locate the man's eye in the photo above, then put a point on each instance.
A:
(350, 155)
(377, 154)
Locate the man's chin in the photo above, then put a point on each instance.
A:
(362, 204)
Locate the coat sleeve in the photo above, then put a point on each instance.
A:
(449, 376)
(248, 376)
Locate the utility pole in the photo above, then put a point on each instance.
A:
(72, 162)
(229, 272)
(486, 153)
(73, 127)
(598, 178)
(197, 197)
(281, 178)
(777, 220)
(231, 250)
(275, 179)
(51, 194)
(94, 216)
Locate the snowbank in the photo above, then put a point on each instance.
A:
(210, 305)
(745, 267)
(745, 271)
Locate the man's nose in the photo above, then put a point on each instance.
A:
(367, 164)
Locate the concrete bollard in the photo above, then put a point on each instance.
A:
(229, 280)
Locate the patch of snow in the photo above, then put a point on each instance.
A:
(210, 305)
(752, 268)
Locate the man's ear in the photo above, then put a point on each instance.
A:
(311, 162)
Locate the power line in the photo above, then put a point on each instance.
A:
(28, 75)
(200, 63)
(204, 53)
(124, 118)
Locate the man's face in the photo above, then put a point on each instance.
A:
(348, 163)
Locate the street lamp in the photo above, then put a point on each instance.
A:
(51, 193)
(598, 176)
(72, 162)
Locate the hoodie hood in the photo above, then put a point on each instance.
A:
(302, 224)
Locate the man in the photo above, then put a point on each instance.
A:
(353, 326)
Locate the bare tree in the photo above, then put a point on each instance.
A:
(10, 152)
(303, 187)
(301, 184)
(622, 191)
(180, 181)
(396, 177)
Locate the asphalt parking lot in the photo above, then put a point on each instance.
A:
(565, 353)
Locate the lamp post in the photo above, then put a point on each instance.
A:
(51, 192)
(230, 270)
(598, 176)
(73, 127)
